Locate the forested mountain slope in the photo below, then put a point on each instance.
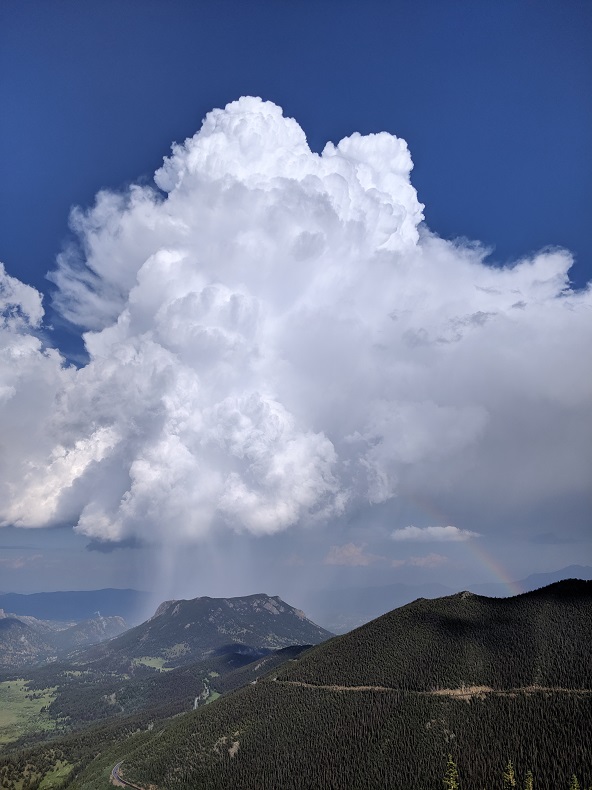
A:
(271, 735)
(540, 638)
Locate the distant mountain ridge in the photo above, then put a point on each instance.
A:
(337, 610)
(26, 640)
(184, 631)
(78, 605)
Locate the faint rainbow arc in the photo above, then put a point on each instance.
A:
(473, 545)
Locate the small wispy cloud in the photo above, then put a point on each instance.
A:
(397, 563)
(350, 554)
(355, 555)
(429, 561)
(429, 534)
(294, 561)
(16, 563)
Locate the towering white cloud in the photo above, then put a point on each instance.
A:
(274, 338)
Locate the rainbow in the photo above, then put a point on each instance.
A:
(485, 557)
(494, 566)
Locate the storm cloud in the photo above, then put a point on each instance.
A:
(275, 337)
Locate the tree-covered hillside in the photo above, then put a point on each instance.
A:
(540, 638)
(275, 735)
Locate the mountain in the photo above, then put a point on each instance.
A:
(181, 632)
(78, 605)
(483, 680)
(26, 640)
(539, 638)
(136, 674)
(382, 706)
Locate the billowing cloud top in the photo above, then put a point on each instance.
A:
(273, 340)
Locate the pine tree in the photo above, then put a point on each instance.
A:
(509, 776)
(528, 782)
(451, 776)
(574, 784)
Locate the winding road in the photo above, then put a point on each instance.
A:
(117, 779)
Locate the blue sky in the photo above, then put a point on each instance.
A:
(492, 98)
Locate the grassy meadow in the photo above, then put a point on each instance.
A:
(23, 710)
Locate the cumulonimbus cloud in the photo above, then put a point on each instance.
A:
(428, 534)
(273, 337)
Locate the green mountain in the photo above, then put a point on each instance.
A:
(182, 632)
(343, 609)
(540, 638)
(74, 698)
(483, 680)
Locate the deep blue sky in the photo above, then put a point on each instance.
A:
(493, 98)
